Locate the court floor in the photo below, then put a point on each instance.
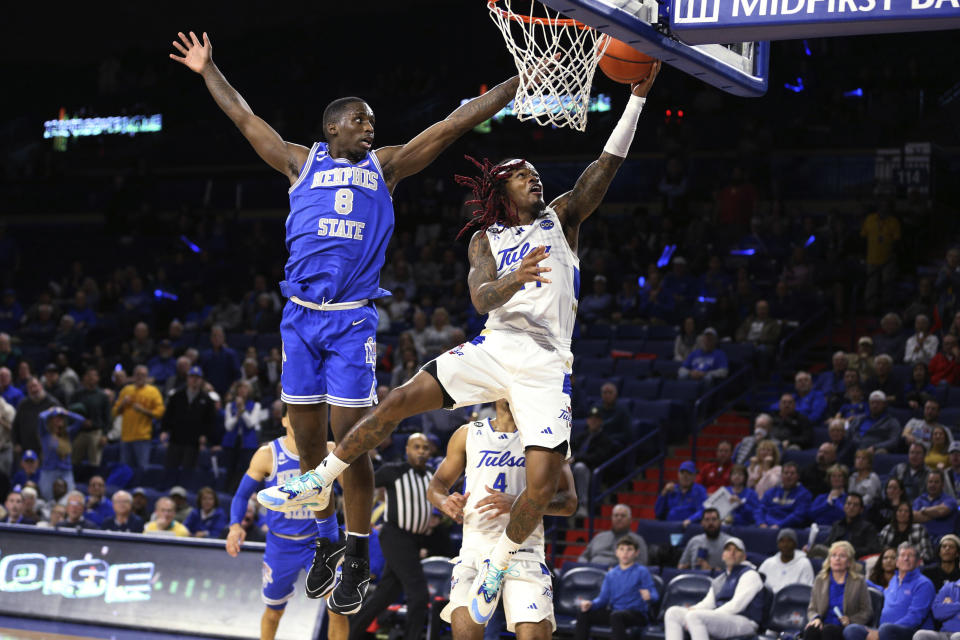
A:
(34, 629)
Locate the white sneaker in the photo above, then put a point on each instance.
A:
(305, 491)
(486, 591)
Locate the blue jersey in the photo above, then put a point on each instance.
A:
(287, 523)
(341, 219)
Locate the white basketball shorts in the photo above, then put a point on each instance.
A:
(527, 596)
(533, 378)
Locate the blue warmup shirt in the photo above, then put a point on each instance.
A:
(938, 527)
(679, 506)
(341, 219)
(621, 589)
(908, 603)
(297, 523)
(948, 613)
(786, 508)
(824, 513)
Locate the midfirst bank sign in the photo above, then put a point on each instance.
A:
(719, 21)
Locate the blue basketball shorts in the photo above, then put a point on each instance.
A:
(282, 561)
(329, 356)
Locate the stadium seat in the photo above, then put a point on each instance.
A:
(903, 415)
(586, 348)
(659, 411)
(884, 463)
(155, 476)
(666, 368)
(629, 346)
(267, 341)
(683, 590)
(594, 367)
(683, 391)
(737, 352)
(648, 389)
(950, 416)
(633, 368)
(438, 570)
(595, 383)
(803, 458)
(575, 585)
(788, 612)
(757, 539)
(876, 602)
(632, 331)
(663, 349)
(600, 331)
(661, 332)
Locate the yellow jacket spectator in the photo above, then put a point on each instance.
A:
(138, 405)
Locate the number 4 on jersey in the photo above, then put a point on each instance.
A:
(500, 484)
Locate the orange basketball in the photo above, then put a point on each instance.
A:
(623, 63)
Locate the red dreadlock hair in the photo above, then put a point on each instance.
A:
(493, 206)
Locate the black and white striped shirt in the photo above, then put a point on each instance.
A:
(407, 504)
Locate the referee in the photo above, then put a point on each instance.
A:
(405, 522)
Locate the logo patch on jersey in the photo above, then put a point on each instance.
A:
(548, 430)
(547, 591)
(456, 351)
(533, 605)
(546, 224)
(370, 346)
(565, 414)
(504, 436)
(495, 230)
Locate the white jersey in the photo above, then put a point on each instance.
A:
(542, 309)
(495, 459)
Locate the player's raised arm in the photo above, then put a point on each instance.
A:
(576, 205)
(448, 472)
(487, 292)
(285, 157)
(401, 161)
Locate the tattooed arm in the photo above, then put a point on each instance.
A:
(575, 206)
(489, 292)
(285, 157)
(401, 161)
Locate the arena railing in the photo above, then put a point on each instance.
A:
(594, 498)
(733, 387)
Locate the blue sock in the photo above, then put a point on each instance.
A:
(328, 527)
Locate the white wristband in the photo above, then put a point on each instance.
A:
(622, 136)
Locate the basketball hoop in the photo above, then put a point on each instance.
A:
(552, 90)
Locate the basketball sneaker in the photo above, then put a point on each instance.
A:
(324, 569)
(486, 590)
(351, 586)
(306, 491)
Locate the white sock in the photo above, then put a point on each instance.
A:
(330, 468)
(503, 552)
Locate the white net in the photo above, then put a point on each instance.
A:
(553, 89)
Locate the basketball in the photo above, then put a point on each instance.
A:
(623, 63)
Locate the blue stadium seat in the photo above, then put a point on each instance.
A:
(641, 389)
(630, 346)
(803, 458)
(158, 453)
(737, 352)
(903, 415)
(586, 348)
(661, 332)
(155, 476)
(666, 368)
(594, 366)
(662, 348)
(629, 368)
(658, 532)
(950, 416)
(757, 539)
(659, 411)
(788, 612)
(437, 570)
(632, 331)
(683, 590)
(600, 330)
(267, 341)
(240, 341)
(683, 391)
(884, 463)
(575, 585)
(594, 383)
(110, 454)
(876, 601)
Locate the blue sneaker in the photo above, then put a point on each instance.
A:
(486, 591)
(304, 492)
